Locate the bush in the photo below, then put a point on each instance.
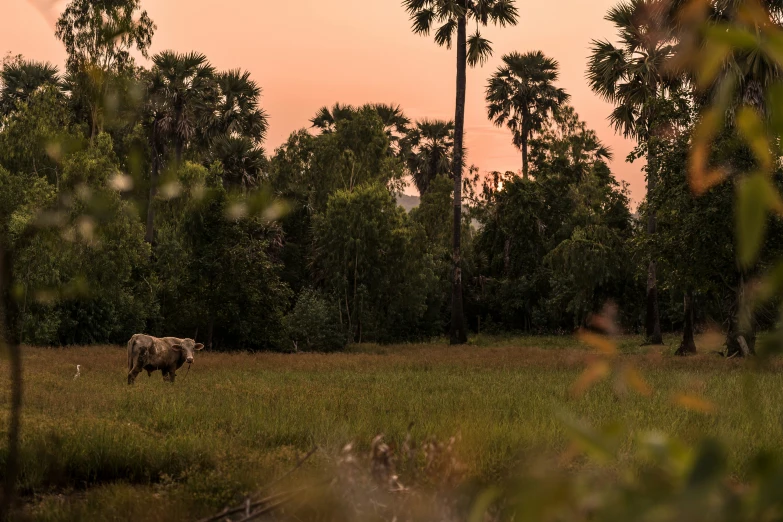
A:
(314, 324)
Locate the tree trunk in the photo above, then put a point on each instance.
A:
(652, 319)
(10, 338)
(93, 124)
(524, 156)
(741, 336)
(458, 334)
(507, 257)
(150, 234)
(179, 151)
(688, 344)
(210, 331)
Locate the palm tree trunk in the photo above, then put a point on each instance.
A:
(458, 333)
(688, 344)
(653, 318)
(150, 234)
(524, 156)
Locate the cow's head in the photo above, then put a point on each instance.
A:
(187, 347)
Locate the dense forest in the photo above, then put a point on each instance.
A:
(173, 219)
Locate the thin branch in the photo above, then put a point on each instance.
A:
(265, 501)
(292, 470)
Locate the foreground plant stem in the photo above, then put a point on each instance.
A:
(15, 367)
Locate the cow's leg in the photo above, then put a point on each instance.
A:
(135, 371)
(172, 374)
(165, 373)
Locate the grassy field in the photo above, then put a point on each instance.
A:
(97, 449)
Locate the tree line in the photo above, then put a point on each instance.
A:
(173, 218)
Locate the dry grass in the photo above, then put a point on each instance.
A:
(237, 420)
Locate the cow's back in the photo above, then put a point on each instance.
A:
(147, 350)
(171, 341)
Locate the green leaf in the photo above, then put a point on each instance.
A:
(770, 345)
(601, 445)
(773, 45)
(775, 103)
(751, 127)
(771, 285)
(751, 217)
(712, 59)
(483, 502)
(732, 36)
(709, 464)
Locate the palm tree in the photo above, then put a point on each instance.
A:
(432, 150)
(242, 159)
(750, 70)
(452, 16)
(326, 119)
(633, 76)
(566, 147)
(184, 94)
(522, 95)
(238, 112)
(20, 79)
(394, 121)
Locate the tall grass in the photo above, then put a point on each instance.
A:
(237, 420)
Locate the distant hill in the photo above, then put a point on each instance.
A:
(408, 202)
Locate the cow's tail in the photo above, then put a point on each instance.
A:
(130, 353)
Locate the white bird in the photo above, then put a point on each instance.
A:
(78, 372)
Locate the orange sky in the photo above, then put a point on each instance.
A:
(310, 53)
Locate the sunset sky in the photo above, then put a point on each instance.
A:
(310, 53)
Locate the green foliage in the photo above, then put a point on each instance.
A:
(314, 324)
(521, 95)
(91, 282)
(395, 123)
(553, 249)
(426, 14)
(372, 257)
(309, 168)
(433, 213)
(432, 152)
(102, 33)
(633, 75)
(36, 136)
(99, 37)
(20, 79)
(218, 276)
(181, 88)
(584, 265)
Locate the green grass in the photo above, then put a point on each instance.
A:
(96, 448)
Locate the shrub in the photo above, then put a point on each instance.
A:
(314, 324)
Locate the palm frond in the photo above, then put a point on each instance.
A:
(443, 35)
(479, 49)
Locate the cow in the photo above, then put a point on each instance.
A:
(167, 355)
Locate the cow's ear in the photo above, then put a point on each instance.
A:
(198, 347)
(176, 347)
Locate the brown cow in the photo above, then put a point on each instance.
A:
(167, 355)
